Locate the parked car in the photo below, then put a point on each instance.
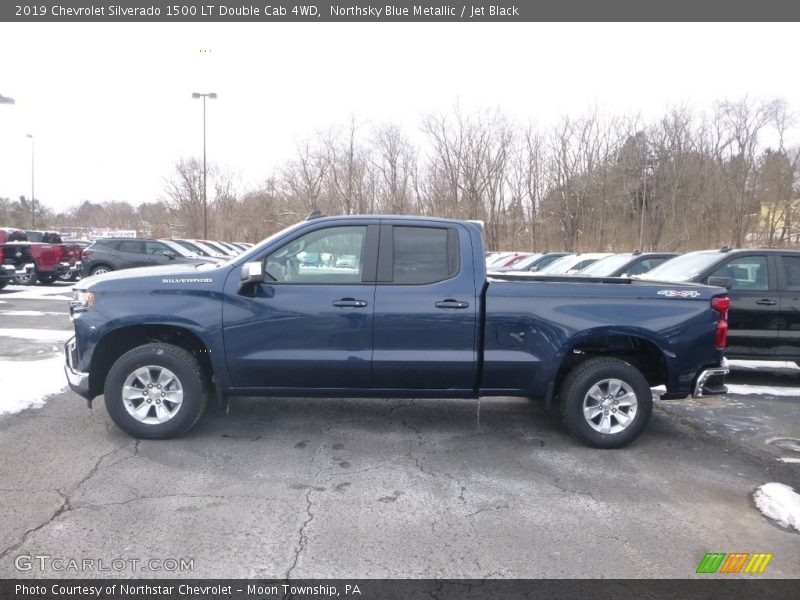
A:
(418, 318)
(31, 261)
(506, 259)
(348, 261)
(764, 290)
(209, 249)
(67, 252)
(235, 251)
(571, 264)
(629, 264)
(223, 251)
(532, 263)
(186, 253)
(124, 253)
(194, 248)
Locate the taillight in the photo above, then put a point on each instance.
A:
(86, 253)
(2, 256)
(58, 251)
(721, 304)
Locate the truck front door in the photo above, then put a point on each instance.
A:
(308, 326)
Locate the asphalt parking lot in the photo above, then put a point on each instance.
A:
(386, 488)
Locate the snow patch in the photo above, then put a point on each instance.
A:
(745, 390)
(29, 313)
(39, 335)
(789, 459)
(762, 364)
(28, 384)
(780, 503)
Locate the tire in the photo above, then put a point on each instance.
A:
(3, 283)
(612, 384)
(47, 279)
(28, 279)
(100, 269)
(156, 364)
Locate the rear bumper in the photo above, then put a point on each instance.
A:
(78, 381)
(711, 382)
(14, 270)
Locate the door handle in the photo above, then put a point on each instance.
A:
(766, 302)
(453, 304)
(349, 303)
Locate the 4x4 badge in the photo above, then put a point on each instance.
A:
(679, 293)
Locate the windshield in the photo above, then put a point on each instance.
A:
(683, 268)
(525, 263)
(180, 250)
(606, 266)
(561, 265)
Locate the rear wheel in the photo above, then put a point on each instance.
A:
(100, 269)
(606, 402)
(155, 391)
(29, 278)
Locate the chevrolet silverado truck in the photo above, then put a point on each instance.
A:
(412, 313)
(30, 261)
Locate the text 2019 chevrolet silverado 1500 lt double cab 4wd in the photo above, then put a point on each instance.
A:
(414, 315)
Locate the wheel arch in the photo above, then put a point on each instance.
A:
(118, 341)
(638, 347)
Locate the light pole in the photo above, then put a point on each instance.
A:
(33, 196)
(210, 95)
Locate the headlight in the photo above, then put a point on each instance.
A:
(81, 300)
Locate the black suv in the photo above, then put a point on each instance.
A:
(764, 288)
(124, 253)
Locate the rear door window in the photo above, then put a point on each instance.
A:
(132, 247)
(791, 272)
(424, 254)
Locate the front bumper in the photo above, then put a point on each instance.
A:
(78, 381)
(711, 382)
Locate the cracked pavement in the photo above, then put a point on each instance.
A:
(307, 488)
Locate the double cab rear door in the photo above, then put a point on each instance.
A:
(362, 305)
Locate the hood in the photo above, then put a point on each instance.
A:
(182, 269)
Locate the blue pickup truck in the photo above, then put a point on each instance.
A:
(409, 313)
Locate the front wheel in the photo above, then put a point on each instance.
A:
(606, 402)
(155, 391)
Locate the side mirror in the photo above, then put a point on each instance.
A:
(724, 282)
(533, 269)
(252, 272)
(170, 254)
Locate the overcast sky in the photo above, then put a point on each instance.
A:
(111, 111)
